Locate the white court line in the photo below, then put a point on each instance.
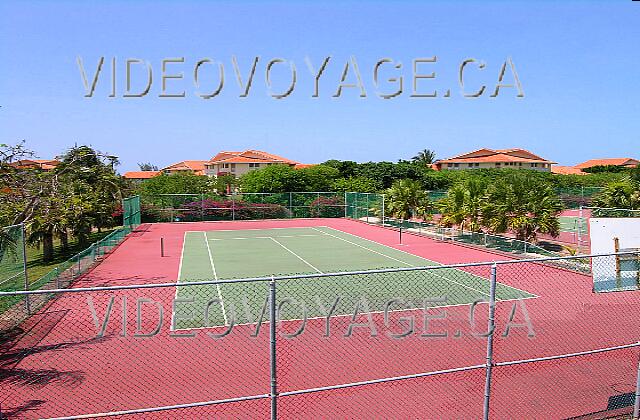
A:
(301, 259)
(402, 262)
(175, 298)
(215, 275)
(240, 230)
(417, 256)
(262, 237)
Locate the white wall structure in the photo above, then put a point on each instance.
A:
(602, 231)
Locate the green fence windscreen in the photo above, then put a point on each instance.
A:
(131, 211)
(242, 206)
(367, 206)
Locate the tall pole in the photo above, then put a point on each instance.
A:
(490, 329)
(23, 234)
(580, 229)
(345, 205)
(272, 338)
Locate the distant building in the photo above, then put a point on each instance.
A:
(625, 162)
(45, 165)
(502, 158)
(239, 163)
(195, 167)
(140, 175)
(567, 170)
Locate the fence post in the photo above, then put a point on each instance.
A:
(272, 353)
(636, 403)
(490, 329)
(27, 304)
(580, 229)
(382, 210)
(233, 207)
(345, 205)
(202, 207)
(290, 204)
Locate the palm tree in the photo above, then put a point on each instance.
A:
(522, 205)
(623, 194)
(462, 205)
(407, 199)
(426, 157)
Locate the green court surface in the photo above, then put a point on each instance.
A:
(572, 224)
(234, 254)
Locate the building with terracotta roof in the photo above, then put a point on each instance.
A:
(567, 170)
(239, 163)
(140, 175)
(42, 164)
(196, 167)
(501, 158)
(626, 162)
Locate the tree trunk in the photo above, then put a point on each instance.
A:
(47, 247)
(64, 241)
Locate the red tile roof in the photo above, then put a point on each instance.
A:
(140, 174)
(195, 166)
(501, 155)
(44, 164)
(606, 162)
(250, 156)
(567, 170)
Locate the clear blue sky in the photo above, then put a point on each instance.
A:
(578, 62)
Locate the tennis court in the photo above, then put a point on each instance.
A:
(233, 254)
(573, 224)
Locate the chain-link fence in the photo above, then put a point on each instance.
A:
(512, 339)
(241, 206)
(131, 211)
(14, 309)
(12, 258)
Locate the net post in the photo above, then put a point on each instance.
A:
(162, 246)
(273, 348)
(490, 330)
(23, 235)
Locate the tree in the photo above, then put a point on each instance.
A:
(284, 178)
(178, 183)
(425, 157)
(80, 193)
(463, 205)
(522, 205)
(356, 184)
(624, 194)
(147, 166)
(407, 199)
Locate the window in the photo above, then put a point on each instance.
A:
(254, 165)
(520, 164)
(449, 165)
(233, 167)
(471, 165)
(456, 165)
(497, 164)
(477, 165)
(225, 165)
